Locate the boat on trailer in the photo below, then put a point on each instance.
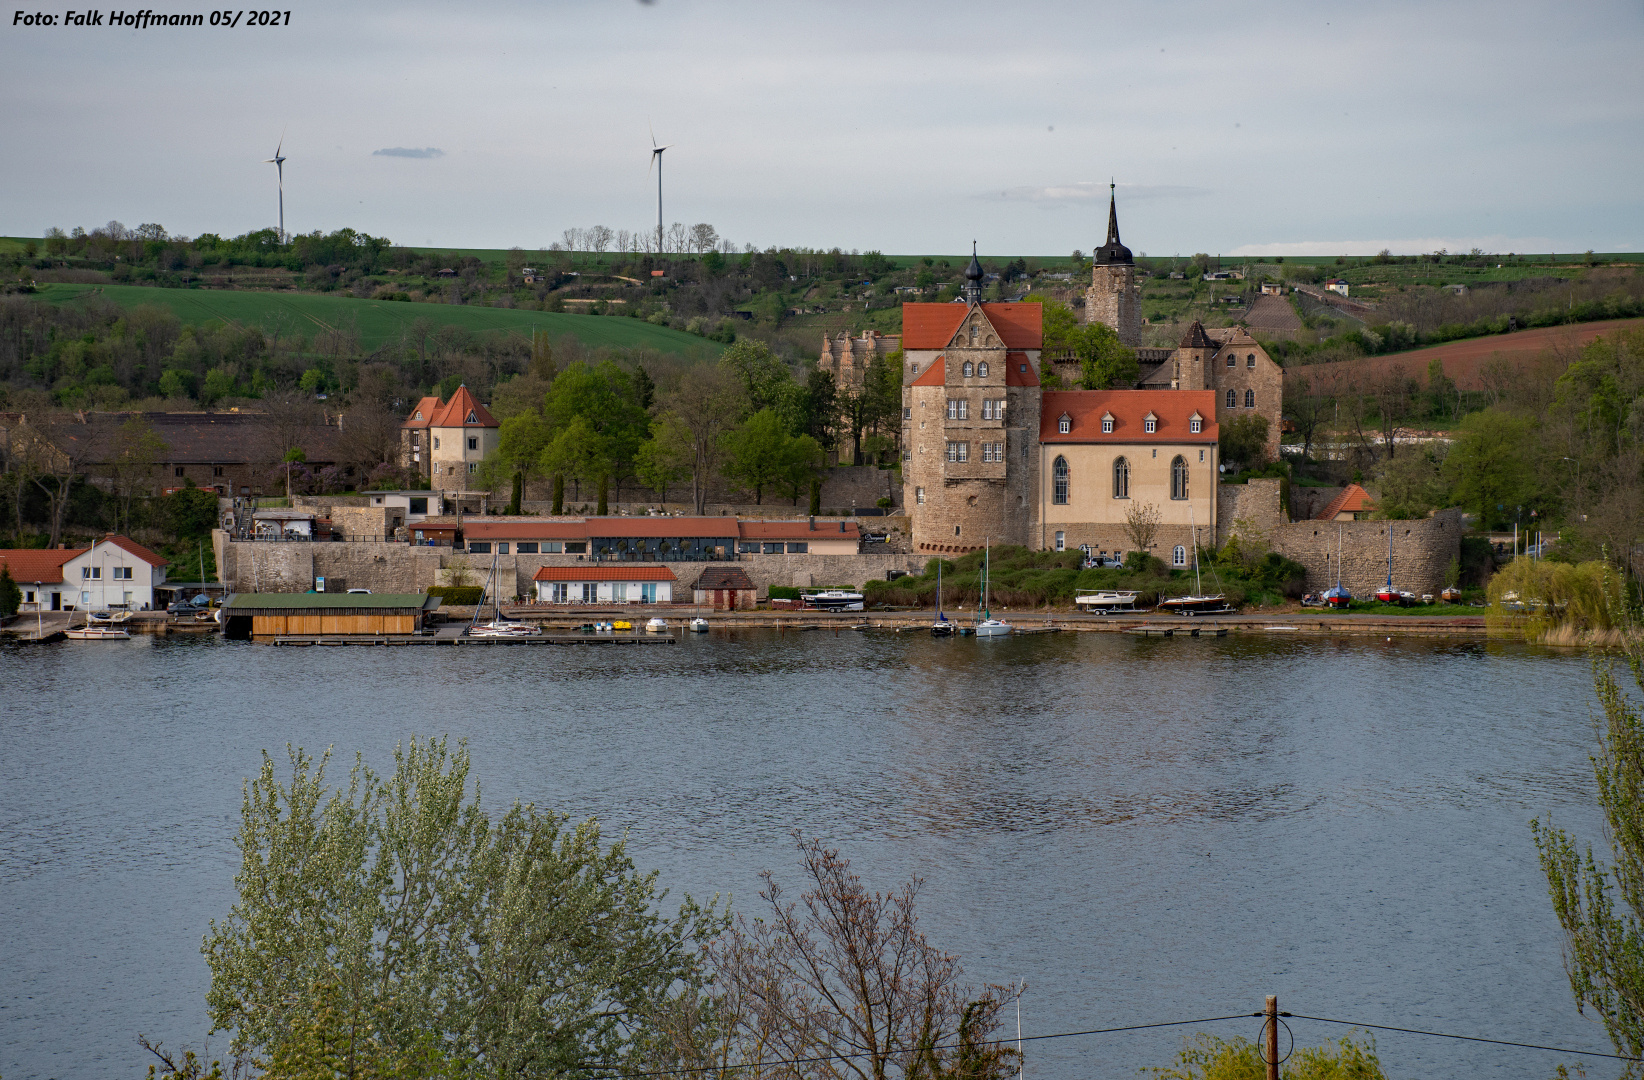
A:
(1198, 603)
(1106, 601)
(832, 600)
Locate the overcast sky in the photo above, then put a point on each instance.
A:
(903, 127)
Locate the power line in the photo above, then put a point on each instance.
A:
(1465, 1038)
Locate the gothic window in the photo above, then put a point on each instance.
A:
(1232, 399)
(969, 370)
(1250, 399)
(1250, 361)
(1232, 361)
(1058, 472)
(1065, 424)
(1121, 478)
(982, 370)
(1178, 556)
(1178, 478)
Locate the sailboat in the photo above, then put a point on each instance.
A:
(498, 627)
(1198, 603)
(1337, 597)
(941, 627)
(989, 626)
(1387, 594)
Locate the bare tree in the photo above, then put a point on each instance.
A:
(705, 407)
(847, 977)
(56, 447)
(137, 449)
(599, 238)
(704, 237)
(678, 236)
(370, 435)
(1307, 404)
(1142, 524)
(573, 239)
(624, 241)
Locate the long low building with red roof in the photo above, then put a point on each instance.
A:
(651, 539)
(605, 583)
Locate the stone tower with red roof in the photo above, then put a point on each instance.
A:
(445, 441)
(970, 417)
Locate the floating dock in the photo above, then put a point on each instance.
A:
(454, 635)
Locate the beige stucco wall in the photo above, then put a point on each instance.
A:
(453, 457)
(1091, 509)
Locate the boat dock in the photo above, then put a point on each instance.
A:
(455, 635)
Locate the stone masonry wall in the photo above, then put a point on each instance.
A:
(1422, 550)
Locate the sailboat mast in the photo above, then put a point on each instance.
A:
(1389, 556)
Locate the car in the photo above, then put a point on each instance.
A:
(184, 607)
(367, 592)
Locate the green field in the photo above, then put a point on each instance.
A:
(380, 321)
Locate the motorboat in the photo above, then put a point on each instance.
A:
(988, 626)
(1105, 601)
(832, 600)
(657, 625)
(97, 633)
(699, 626)
(1450, 595)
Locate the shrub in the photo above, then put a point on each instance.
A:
(458, 595)
(784, 592)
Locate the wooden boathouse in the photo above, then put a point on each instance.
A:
(250, 615)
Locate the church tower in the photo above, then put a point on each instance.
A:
(1114, 298)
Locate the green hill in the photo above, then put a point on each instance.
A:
(381, 321)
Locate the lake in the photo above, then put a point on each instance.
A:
(1145, 830)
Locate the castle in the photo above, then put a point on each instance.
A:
(990, 455)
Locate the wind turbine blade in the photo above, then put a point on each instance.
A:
(653, 130)
(281, 146)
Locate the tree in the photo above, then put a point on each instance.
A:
(665, 458)
(137, 451)
(56, 447)
(521, 439)
(705, 407)
(601, 396)
(574, 452)
(1142, 524)
(1206, 1057)
(847, 976)
(764, 377)
(1601, 906)
(1103, 360)
(1488, 465)
(11, 597)
(1307, 406)
(759, 452)
(519, 943)
(1244, 440)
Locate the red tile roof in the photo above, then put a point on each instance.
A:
(662, 526)
(932, 326)
(423, 413)
(936, 374)
(1171, 408)
(799, 530)
(44, 565)
(481, 529)
(453, 413)
(1352, 500)
(132, 547)
(605, 572)
(1018, 371)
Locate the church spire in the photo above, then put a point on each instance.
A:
(1113, 252)
(973, 278)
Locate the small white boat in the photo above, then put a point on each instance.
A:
(1105, 601)
(109, 618)
(699, 626)
(504, 628)
(989, 626)
(993, 628)
(97, 633)
(832, 600)
(657, 626)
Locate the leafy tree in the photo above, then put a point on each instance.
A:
(137, 451)
(11, 597)
(665, 458)
(1244, 440)
(765, 379)
(612, 422)
(521, 439)
(705, 407)
(1206, 1057)
(760, 452)
(1489, 464)
(1103, 361)
(1601, 907)
(219, 383)
(396, 916)
(575, 452)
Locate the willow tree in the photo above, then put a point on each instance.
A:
(1601, 905)
(427, 929)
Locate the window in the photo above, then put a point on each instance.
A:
(216, 470)
(1250, 361)
(1232, 361)
(647, 592)
(1250, 399)
(993, 409)
(1178, 556)
(525, 547)
(619, 592)
(479, 547)
(771, 548)
(590, 592)
(1107, 425)
(1121, 478)
(982, 370)
(907, 413)
(915, 368)
(178, 471)
(502, 548)
(798, 547)
(956, 530)
(1058, 473)
(95, 573)
(1201, 455)
(1150, 425)
(1195, 425)
(419, 504)
(1061, 540)
(472, 419)
(473, 467)
(573, 547)
(969, 369)
(122, 573)
(436, 442)
(1178, 478)
(559, 592)
(748, 547)
(473, 444)
(919, 496)
(436, 468)
(1065, 424)
(1232, 399)
(994, 451)
(958, 451)
(958, 408)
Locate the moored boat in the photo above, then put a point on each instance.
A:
(97, 633)
(1105, 601)
(656, 625)
(504, 628)
(699, 625)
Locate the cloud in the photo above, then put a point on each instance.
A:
(1090, 190)
(1418, 246)
(409, 151)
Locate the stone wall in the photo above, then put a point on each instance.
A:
(1255, 505)
(1422, 550)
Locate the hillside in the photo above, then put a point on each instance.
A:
(378, 322)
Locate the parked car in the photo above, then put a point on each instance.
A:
(189, 605)
(365, 591)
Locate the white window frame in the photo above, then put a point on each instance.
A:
(1064, 425)
(1061, 540)
(919, 496)
(1150, 425)
(1107, 425)
(1250, 399)
(1195, 425)
(1178, 556)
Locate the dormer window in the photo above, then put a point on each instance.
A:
(472, 419)
(417, 415)
(1195, 423)
(1065, 424)
(1150, 424)
(1107, 424)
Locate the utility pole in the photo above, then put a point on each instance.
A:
(1271, 1031)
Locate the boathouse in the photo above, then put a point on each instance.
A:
(249, 615)
(727, 588)
(605, 584)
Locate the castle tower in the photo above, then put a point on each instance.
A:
(1114, 299)
(973, 278)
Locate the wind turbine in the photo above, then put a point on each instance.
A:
(279, 163)
(656, 159)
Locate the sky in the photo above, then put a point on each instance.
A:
(908, 128)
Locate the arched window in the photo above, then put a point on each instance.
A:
(982, 370)
(1178, 478)
(1178, 556)
(1232, 361)
(1121, 478)
(969, 370)
(1250, 399)
(1058, 472)
(1232, 399)
(1250, 361)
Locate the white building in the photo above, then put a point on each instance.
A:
(610, 583)
(114, 573)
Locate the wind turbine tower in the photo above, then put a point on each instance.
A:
(279, 164)
(656, 159)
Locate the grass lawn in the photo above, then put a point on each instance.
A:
(381, 321)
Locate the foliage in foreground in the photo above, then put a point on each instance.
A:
(1601, 906)
(400, 930)
(1206, 1057)
(1585, 596)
